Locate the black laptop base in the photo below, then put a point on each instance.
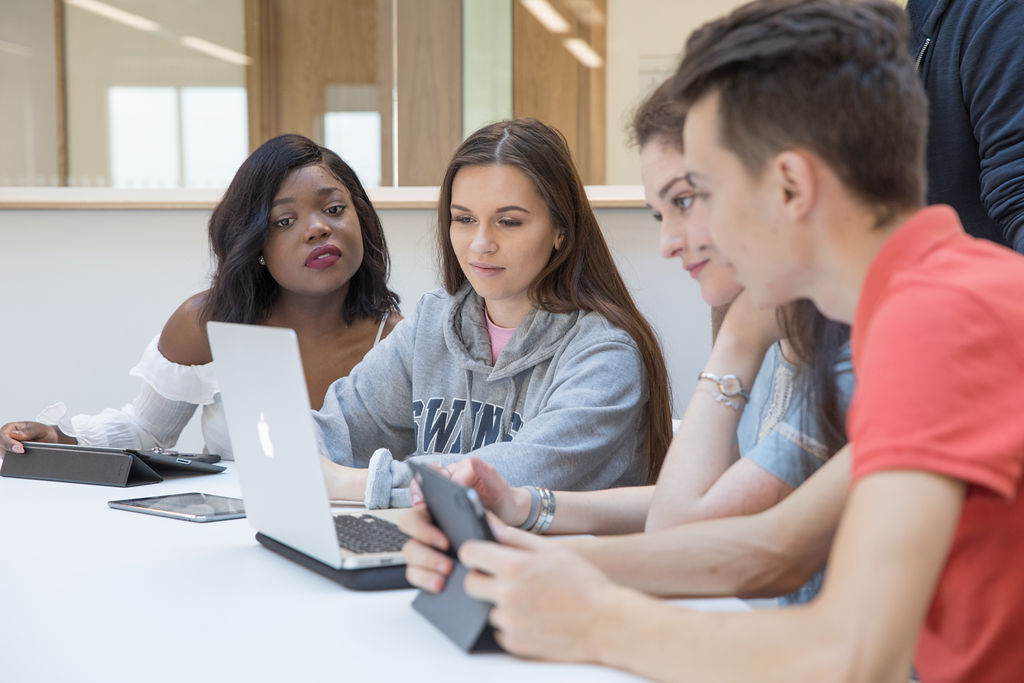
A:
(370, 579)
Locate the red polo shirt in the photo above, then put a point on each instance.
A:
(938, 351)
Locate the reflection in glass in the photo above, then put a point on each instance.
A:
(486, 62)
(28, 106)
(155, 92)
(165, 137)
(143, 134)
(214, 133)
(355, 137)
(353, 128)
(100, 92)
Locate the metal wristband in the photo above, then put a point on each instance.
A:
(531, 518)
(547, 511)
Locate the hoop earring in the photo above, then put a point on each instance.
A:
(261, 260)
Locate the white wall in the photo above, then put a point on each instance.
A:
(83, 291)
(645, 42)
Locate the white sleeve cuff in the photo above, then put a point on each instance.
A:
(57, 414)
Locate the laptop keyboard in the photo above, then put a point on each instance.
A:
(368, 534)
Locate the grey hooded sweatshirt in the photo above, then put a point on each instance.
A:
(564, 406)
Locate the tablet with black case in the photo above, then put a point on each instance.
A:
(457, 511)
(93, 465)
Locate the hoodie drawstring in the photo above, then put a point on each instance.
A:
(467, 415)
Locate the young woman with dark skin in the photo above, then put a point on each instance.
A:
(297, 244)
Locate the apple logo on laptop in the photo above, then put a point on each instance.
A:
(263, 430)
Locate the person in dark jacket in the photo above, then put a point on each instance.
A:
(970, 55)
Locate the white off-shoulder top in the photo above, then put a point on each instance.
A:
(167, 400)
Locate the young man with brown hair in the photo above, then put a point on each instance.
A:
(805, 143)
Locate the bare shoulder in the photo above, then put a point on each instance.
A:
(394, 317)
(184, 339)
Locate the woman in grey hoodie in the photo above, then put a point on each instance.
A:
(735, 453)
(533, 356)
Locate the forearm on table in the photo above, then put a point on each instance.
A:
(610, 511)
(344, 483)
(770, 553)
(737, 556)
(704, 445)
(773, 645)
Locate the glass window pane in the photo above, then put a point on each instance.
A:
(144, 149)
(355, 137)
(389, 71)
(28, 107)
(120, 46)
(486, 62)
(214, 134)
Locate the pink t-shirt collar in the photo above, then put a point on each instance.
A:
(498, 336)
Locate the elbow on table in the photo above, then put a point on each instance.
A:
(773, 579)
(779, 563)
(839, 651)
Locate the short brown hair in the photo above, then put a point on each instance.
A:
(659, 117)
(581, 274)
(832, 76)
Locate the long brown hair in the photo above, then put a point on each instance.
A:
(581, 274)
(816, 341)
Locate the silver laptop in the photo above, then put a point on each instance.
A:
(270, 423)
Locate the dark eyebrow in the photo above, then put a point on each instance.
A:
(670, 184)
(502, 209)
(322, 192)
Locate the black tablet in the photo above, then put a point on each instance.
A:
(193, 507)
(157, 458)
(457, 511)
(186, 462)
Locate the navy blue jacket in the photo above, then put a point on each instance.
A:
(970, 54)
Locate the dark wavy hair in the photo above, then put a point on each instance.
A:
(581, 275)
(816, 341)
(244, 291)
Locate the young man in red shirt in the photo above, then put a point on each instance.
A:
(804, 142)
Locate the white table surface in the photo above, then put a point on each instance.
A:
(88, 593)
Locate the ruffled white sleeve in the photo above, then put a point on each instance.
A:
(166, 402)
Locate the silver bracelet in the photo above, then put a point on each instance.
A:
(531, 518)
(546, 514)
